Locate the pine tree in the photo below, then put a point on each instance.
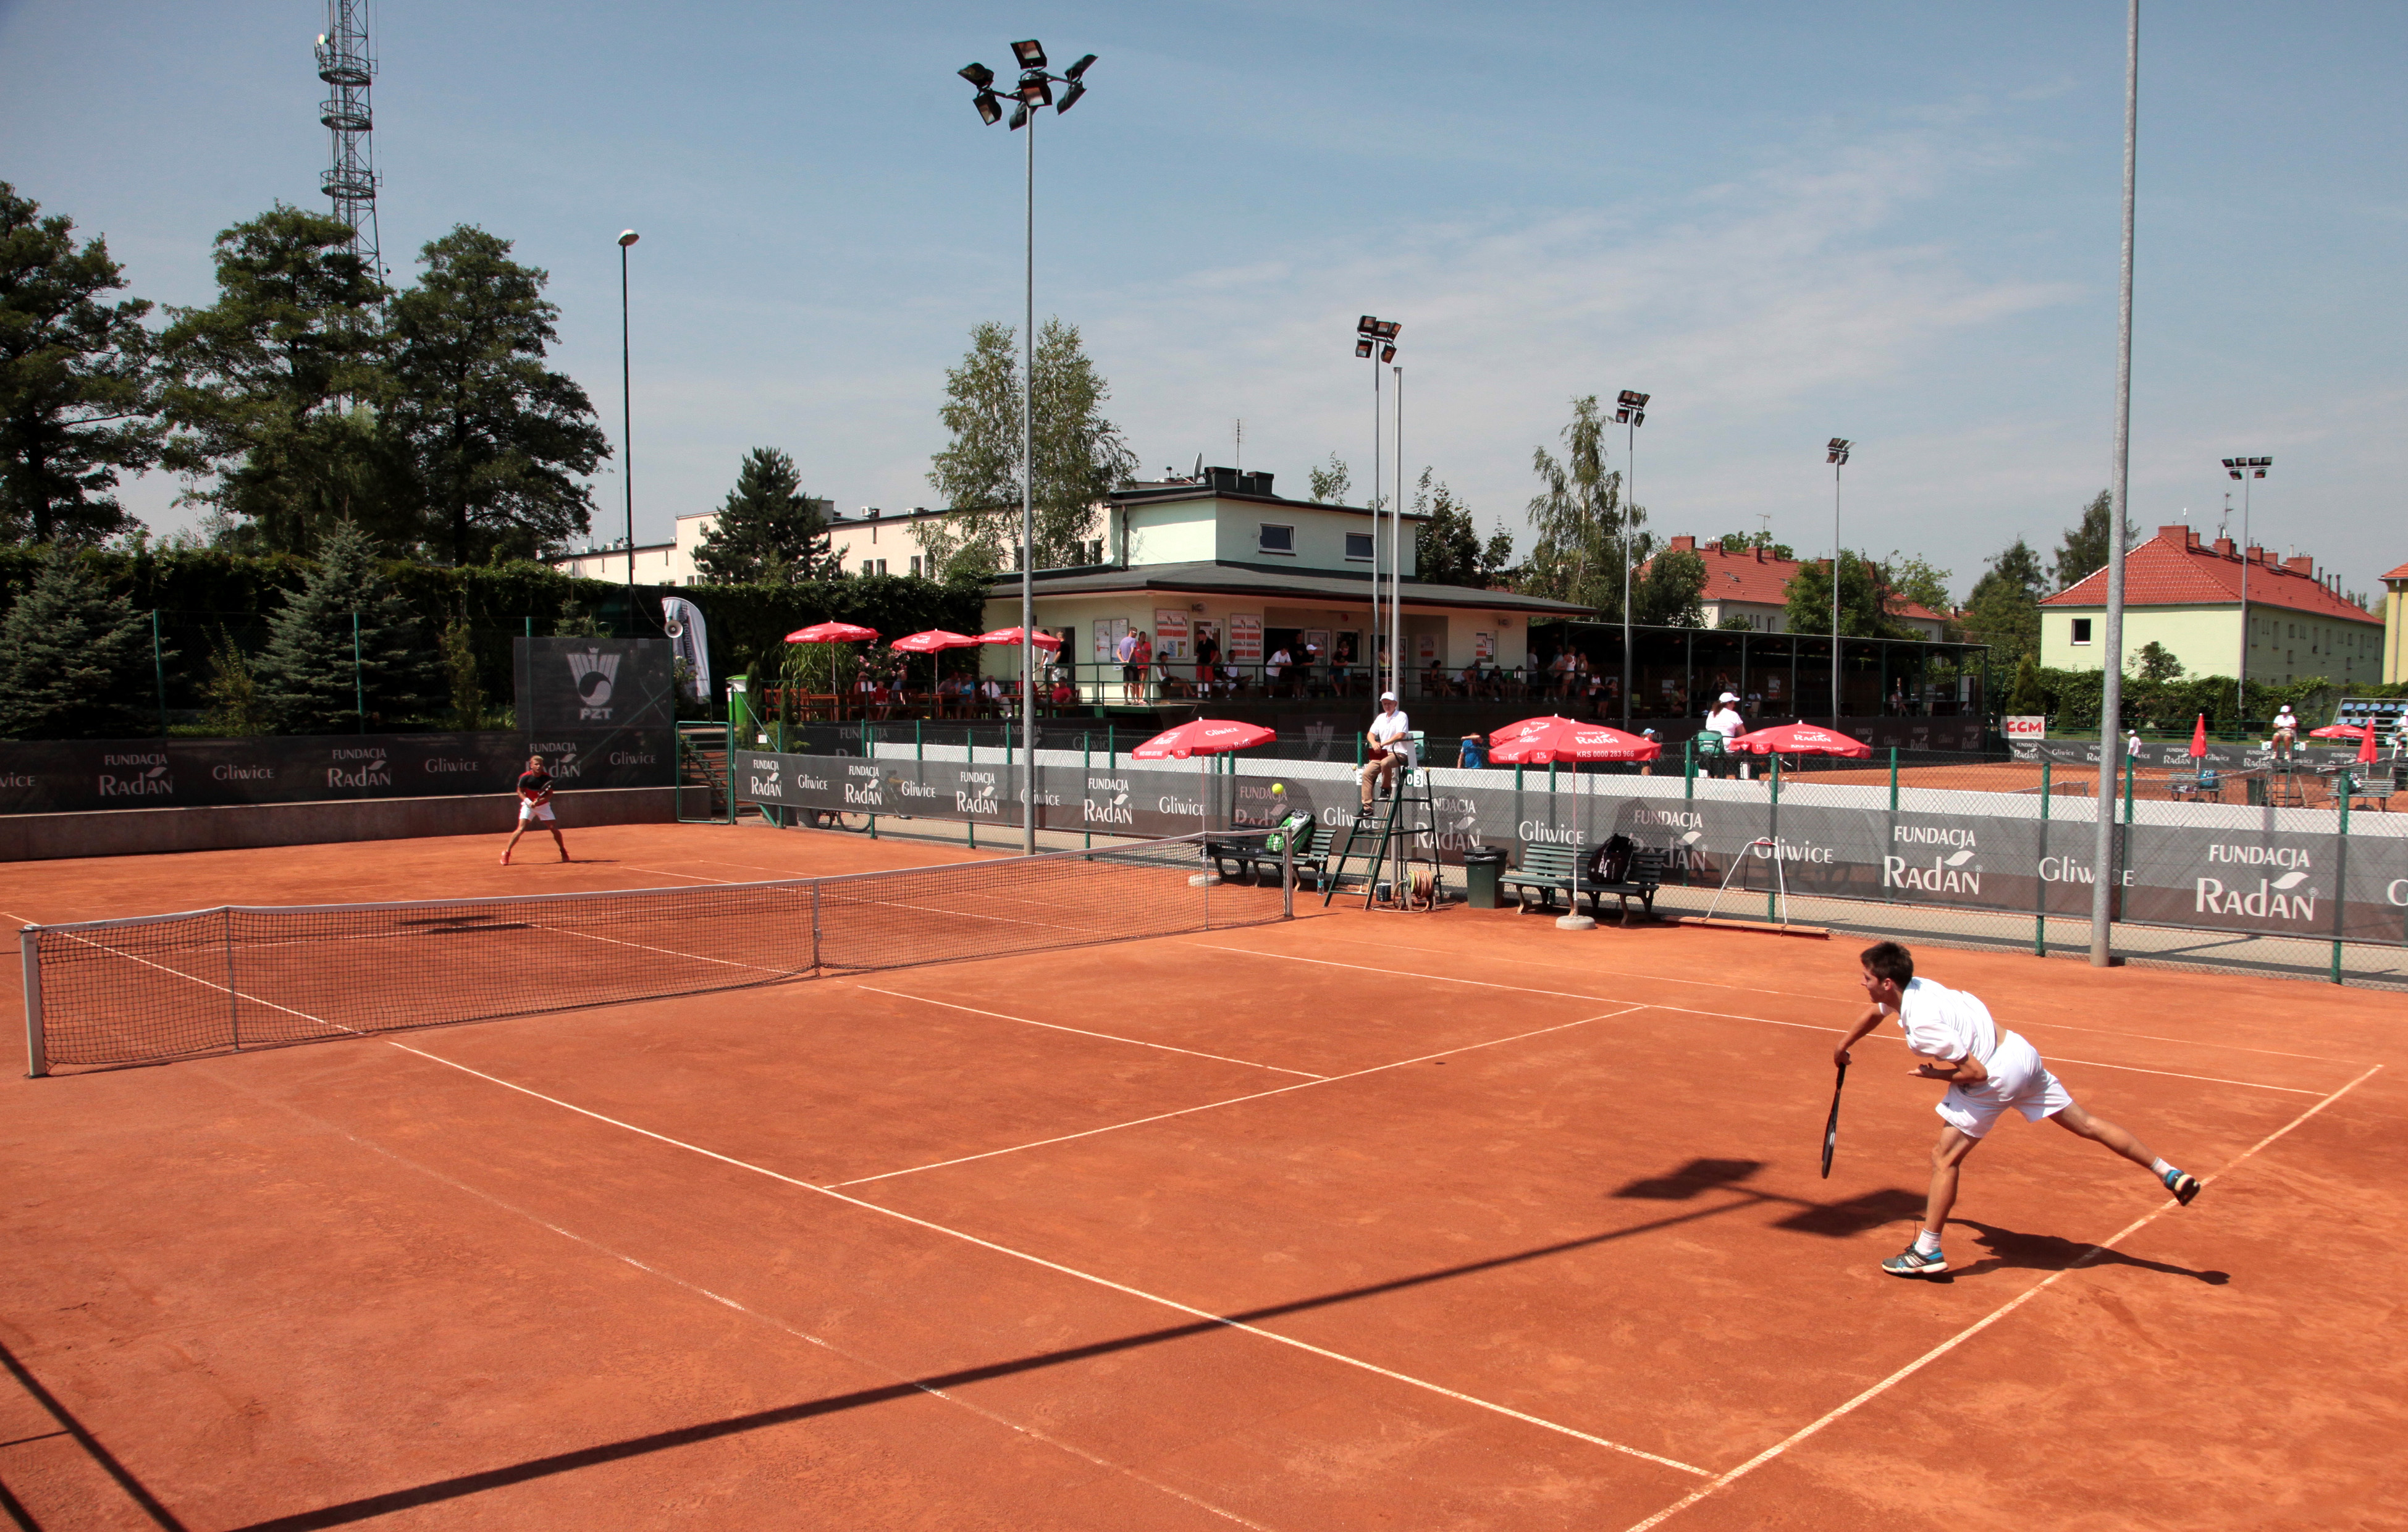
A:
(2084, 552)
(75, 661)
(2028, 697)
(768, 532)
(308, 672)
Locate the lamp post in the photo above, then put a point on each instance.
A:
(2244, 470)
(1034, 90)
(1631, 413)
(1376, 340)
(2111, 687)
(1396, 559)
(628, 426)
(1837, 458)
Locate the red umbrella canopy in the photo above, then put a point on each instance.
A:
(1011, 635)
(1539, 742)
(831, 633)
(2342, 731)
(1800, 740)
(2199, 737)
(1203, 737)
(2366, 746)
(933, 640)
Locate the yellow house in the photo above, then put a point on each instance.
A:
(2395, 625)
(2189, 597)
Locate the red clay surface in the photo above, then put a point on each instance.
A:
(1362, 1221)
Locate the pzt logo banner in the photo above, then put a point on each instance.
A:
(593, 672)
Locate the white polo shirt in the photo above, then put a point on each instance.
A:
(1726, 723)
(1389, 727)
(1944, 1023)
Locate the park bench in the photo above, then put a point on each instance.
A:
(2206, 783)
(1553, 870)
(1251, 859)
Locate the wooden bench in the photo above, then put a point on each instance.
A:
(1551, 869)
(2381, 783)
(1251, 860)
(2205, 783)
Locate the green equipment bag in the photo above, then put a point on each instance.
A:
(1296, 826)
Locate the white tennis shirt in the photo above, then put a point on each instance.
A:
(1387, 728)
(1726, 723)
(1946, 1023)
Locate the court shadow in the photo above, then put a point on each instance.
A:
(1691, 1178)
(1855, 1216)
(2012, 1250)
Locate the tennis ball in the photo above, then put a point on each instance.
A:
(1279, 790)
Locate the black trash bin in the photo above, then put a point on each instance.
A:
(1481, 866)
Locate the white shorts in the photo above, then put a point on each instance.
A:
(2018, 1078)
(531, 812)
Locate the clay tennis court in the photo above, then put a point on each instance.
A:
(1359, 1219)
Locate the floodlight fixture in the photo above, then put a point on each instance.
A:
(1839, 449)
(1080, 69)
(1388, 328)
(1019, 118)
(628, 236)
(1031, 54)
(990, 110)
(1036, 90)
(1388, 353)
(1366, 325)
(1071, 97)
(978, 75)
(1363, 348)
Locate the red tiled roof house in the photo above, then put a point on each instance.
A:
(1752, 584)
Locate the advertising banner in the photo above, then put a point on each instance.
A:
(74, 776)
(592, 684)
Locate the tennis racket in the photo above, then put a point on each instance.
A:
(1832, 1128)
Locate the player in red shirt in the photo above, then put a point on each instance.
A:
(535, 803)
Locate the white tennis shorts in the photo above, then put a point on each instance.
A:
(534, 811)
(2018, 1078)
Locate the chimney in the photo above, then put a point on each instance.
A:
(1759, 555)
(2255, 554)
(1684, 544)
(2176, 534)
(2223, 546)
(2303, 564)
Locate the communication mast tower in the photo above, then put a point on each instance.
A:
(347, 66)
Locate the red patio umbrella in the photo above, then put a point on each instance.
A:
(2198, 738)
(1203, 737)
(1801, 739)
(1011, 635)
(2366, 746)
(928, 643)
(833, 633)
(1540, 741)
(2342, 731)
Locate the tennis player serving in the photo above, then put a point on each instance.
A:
(1952, 1035)
(535, 803)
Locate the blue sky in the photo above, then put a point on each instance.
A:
(1896, 223)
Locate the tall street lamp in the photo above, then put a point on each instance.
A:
(1376, 340)
(1630, 412)
(1396, 559)
(2111, 648)
(2244, 470)
(1034, 92)
(1838, 459)
(628, 426)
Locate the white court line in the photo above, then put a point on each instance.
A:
(1258, 1096)
(1794, 995)
(1173, 1304)
(1729, 1016)
(698, 877)
(1983, 1324)
(750, 1313)
(1081, 1031)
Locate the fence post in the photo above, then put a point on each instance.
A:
(37, 1062)
(1893, 779)
(815, 927)
(1689, 767)
(970, 757)
(1086, 763)
(359, 682)
(159, 672)
(2340, 872)
(2040, 915)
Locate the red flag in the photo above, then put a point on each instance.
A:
(2199, 737)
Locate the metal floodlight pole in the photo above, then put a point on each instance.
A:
(2110, 654)
(1029, 512)
(1396, 559)
(2244, 470)
(628, 426)
(1837, 455)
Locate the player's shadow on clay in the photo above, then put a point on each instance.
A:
(1831, 1220)
(2012, 1250)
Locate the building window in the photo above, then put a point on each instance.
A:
(869, 567)
(1358, 545)
(1276, 539)
(915, 565)
(2081, 631)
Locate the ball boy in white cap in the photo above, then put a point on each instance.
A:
(1988, 1070)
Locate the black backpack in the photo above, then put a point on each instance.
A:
(1610, 862)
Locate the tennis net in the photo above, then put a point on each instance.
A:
(100, 994)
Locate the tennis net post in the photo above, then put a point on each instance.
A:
(29, 945)
(1288, 877)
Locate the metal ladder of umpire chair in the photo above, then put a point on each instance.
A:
(1386, 841)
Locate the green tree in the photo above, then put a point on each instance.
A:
(1447, 550)
(460, 673)
(236, 706)
(768, 531)
(2003, 609)
(2028, 697)
(1583, 538)
(1080, 457)
(77, 392)
(274, 390)
(498, 436)
(319, 670)
(1864, 596)
(75, 661)
(2084, 552)
(1743, 542)
(1667, 595)
(2155, 662)
(1916, 579)
(1326, 483)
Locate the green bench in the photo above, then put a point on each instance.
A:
(1251, 859)
(1550, 870)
